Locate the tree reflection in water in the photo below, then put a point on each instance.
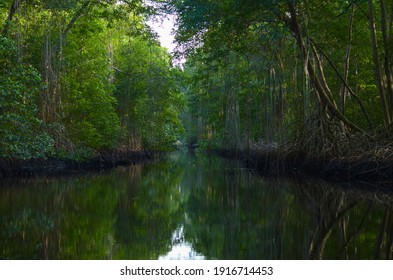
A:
(192, 207)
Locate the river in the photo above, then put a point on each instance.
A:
(191, 207)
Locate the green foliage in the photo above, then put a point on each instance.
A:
(21, 131)
(60, 95)
(250, 79)
(148, 93)
(60, 5)
(83, 218)
(89, 114)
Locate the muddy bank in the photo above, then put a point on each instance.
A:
(52, 166)
(273, 162)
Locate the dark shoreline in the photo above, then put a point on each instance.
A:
(14, 168)
(271, 162)
(274, 162)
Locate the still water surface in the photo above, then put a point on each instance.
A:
(191, 207)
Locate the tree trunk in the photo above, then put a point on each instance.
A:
(324, 97)
(344, 89)
(377, 66)
(387, 60)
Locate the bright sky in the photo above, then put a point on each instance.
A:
(164, 28)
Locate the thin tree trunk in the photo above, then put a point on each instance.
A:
(377, 67)
(324, 98)
(281, 92)
(52, 97)
(387, 66)
(345, 84)
(322, 76)
(344, 89)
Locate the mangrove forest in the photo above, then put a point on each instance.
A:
(288, 86)
(266, 133)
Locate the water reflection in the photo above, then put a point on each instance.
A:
(181, 249)
(190, 207)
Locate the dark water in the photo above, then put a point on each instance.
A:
(191, 207)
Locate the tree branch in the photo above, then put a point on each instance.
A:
(75, 18)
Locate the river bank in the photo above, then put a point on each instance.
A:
(52, 166)
(276, 162)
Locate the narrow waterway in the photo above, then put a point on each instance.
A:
(191, 207)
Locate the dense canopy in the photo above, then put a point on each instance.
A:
(79, 77)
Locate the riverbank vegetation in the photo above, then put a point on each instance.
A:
(286, 85)
(83, 78)
(291, 83)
